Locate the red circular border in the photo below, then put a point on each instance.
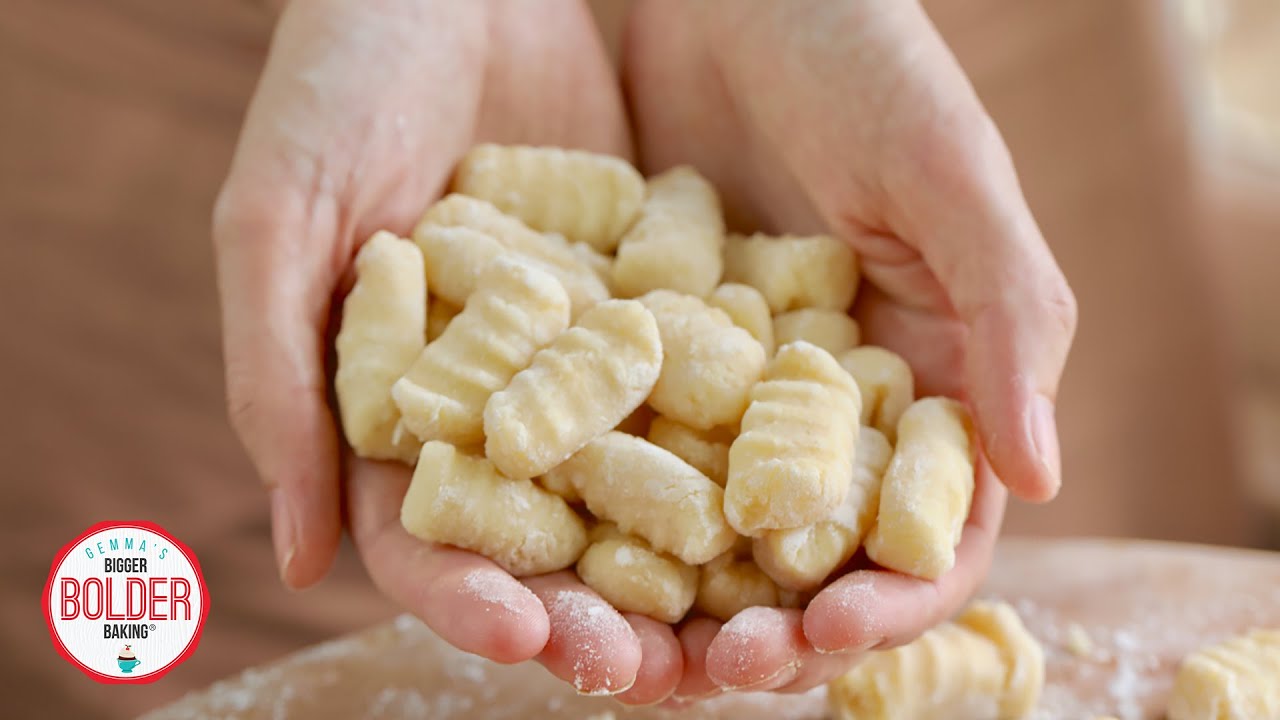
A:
(48, 599)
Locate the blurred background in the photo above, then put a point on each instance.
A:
(1147, 136)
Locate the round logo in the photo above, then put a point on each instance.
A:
(125, 602)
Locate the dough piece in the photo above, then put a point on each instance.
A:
(516, 310)
(577, 388)
(440, 313)
(927, 490)
(677, 242)
(1233, 680)
(706, 450)
(728, 585)
(984, 665)
(463, 501)
(748, 310)
(634, 577)
(648, 492)
(831, 330)
(793, 461)
(383, 325)
(584, 196)
(710, 364)
(801, 558)
(794, 272)
(886, 384)
(460, 236)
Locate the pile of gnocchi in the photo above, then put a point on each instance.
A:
(588, 372)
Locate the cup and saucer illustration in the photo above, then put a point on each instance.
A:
(127, 659)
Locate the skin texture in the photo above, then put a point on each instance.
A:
(896, 157)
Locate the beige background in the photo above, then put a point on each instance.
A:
(117, 125)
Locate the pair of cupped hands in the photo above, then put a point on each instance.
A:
(843, 116)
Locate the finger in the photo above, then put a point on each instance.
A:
(695, 684)
(760, 648)
(661, 663)
(953, 193)
(880, 609)
(464, 598)
(274, 309)
(591, 646)
(819, 669)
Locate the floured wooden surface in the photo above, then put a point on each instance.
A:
(1115, 618)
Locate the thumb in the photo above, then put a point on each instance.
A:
(955, 196)
(274, 310)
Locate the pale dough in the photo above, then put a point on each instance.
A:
(794, 272)
(729, 584)
(577, 388)
(709, 364)
(886, 383)
(793, 461)
(586, 197)
(802, 558)
(648, 492)
(706, 450)
(634, 577)
(927, 491)
(460, 500)
(515, 311)
(1237, 679)
(748, 310)
(983, 666)
(676, 243)
(383, 327)
(831, 330)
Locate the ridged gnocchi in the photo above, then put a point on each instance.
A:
(383, 326)
(515, 311)
(634, 577)
(927, 490)
(709, 364)
(801, 558)
(1237, 678)
(793, 461)
(648, 492)
(460, 500)
(748, 310)
(676, 242)
(831, 330)
(794, 272)
(576, 389)
(983, 666)
(886, 383)
(584, 196)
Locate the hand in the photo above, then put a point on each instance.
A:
(360, 115)
(852, 117)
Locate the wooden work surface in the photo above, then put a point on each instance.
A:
(1133, 609)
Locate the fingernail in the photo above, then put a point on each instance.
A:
(784, 676)
(855, 650)
(283, 536)
(1044, 433)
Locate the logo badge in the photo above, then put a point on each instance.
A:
(125, 602)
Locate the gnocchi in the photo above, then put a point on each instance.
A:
(801, 558)
(577, 388)
(383, 326)
(648, 492)
(983, 665)
(516, 310)
(709, 364)
(927, 491)
(634, 577)
(460, 500)
(1237, 678)
(794, 272)
(831, 330)
(793, 461)
(747, 308)
(586, 197)
(728, 585)
(887, 386)
(676, 242)
(706, 450)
